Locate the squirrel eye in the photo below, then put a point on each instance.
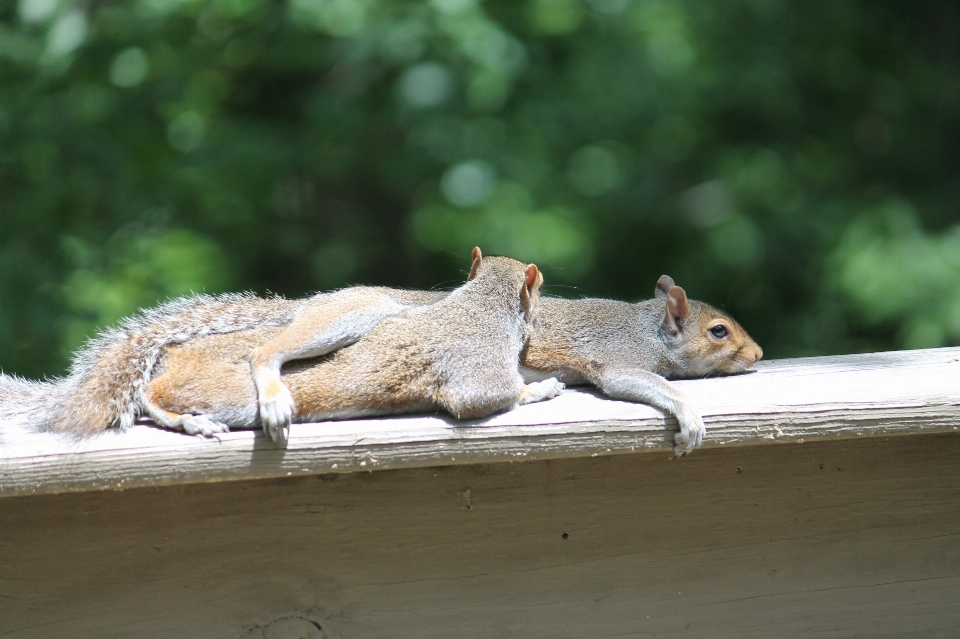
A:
(719, 331)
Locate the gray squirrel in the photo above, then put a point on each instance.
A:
(626, 350)
(460, 353)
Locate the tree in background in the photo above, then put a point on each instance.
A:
(795, 163)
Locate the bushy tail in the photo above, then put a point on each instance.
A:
(104, 384)
(23, 405)
(27, 404)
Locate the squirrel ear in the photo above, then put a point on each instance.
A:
(677, 310)
(531, 281)
(534, 278)
(664, 284)
(477, 258)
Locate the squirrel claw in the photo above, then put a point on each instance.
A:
(278, 434)
(276, 413)
(276, 409)
(203, 425)
(690, 435)
(275, 427)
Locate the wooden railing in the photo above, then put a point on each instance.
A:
(824, 503)
(796, 401)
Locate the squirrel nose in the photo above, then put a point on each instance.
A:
(753, 351)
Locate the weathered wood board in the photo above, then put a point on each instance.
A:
(851, 538)
(786, 400)
(826, 502)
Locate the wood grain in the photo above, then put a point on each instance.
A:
(837, 539)
(781, 401)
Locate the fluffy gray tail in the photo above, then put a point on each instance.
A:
(27, 404)
(103, 388)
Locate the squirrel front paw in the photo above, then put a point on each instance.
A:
(539, 391)
(276, 411)
(690, 435)
(203, 425)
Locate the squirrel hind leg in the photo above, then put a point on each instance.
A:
(190, 424)
(478, 400)
(187, 422)
(540, 391)
(203, 425)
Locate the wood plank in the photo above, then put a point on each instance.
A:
(837, 538)
(781, 401)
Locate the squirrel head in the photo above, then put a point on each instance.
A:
(701, 339)
(530, 286)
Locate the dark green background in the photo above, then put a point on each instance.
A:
(796, 163)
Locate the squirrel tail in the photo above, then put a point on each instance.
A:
(26, 403)
(103, 387)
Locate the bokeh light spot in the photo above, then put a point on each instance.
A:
(35, 11)
(427, 84)
(129, 68)
(468, 183)
(67, 33)
(186, 131)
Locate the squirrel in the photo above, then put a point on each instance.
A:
(626, 350)
(460, 354)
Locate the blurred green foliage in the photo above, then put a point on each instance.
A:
(797, 163)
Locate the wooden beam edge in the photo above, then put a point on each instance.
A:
(253, 457)
(150, 457)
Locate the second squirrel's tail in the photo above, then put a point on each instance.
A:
(105, 381)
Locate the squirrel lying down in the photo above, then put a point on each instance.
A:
(460, 354)
(625, 350)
